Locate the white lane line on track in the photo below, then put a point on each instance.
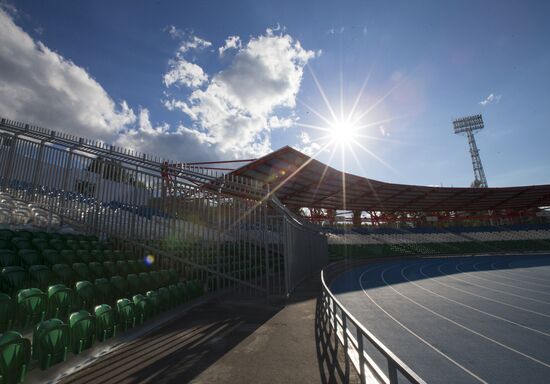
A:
(505, 275)
(494, 289)
(516, 272)
(481, 296)
(418, 336)
(474, 266)
(466, 305)
(463, 326)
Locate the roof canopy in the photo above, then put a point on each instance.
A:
(301, 181)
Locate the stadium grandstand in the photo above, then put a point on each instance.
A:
(98, 242)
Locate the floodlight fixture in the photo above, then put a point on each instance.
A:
(470, 125)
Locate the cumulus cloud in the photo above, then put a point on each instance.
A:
(232, 42)
(228, 113)
(185, 73)
(306, 145)
(490, 99)
(241, 103)
(40, 86)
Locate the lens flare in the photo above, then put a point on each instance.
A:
(149, 259)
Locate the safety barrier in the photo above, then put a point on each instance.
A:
(361, 347)
(223, 229)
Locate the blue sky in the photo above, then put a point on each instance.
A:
(222, 80)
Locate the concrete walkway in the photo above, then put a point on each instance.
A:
(223, 342)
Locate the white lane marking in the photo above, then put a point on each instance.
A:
(466, 305)
(475, 275)
(417, 336)
(481, 296)
(496, 290)
(505, 275)
(463, 326)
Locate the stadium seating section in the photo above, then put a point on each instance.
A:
(60, 293)
(380, 242)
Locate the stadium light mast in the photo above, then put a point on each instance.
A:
(470, 125)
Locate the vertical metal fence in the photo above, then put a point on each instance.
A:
(220, 228)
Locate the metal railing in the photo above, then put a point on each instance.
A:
(220, 228)
(366, 353)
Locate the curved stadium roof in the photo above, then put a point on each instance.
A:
(301, 181)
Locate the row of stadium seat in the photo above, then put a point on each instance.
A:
(339, 251)
(54, 338)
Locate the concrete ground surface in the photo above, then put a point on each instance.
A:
(460, 319)
(222, 341)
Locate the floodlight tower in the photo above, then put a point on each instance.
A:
(470, 125)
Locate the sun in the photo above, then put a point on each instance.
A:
(343, 132)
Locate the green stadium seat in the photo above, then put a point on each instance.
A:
(55, 235)
(50, 343)
(82, 328)
(57, 244)
(69, 256)
(83, 272)
(15, 356)
(175, 295)
(7, 312)
(41, 276)
(110, 268)
(104, 291)
(30, 257)
(21, 243)
(156, 305)
(165, 299)
(72, 244)
(40, 235)
(25, 234)
(84, 244)
(134, 284)
(9, 258)
(173, 276)
(65, 273)
(97, 255)
(118, 255)
(146, 281)
(108, 255)
(59, 301)
(84, 255)
(13, 279)
(144, 308)
(196, 288)
(52, 257)
(126, 311)
(133, 266)
(105, 322)
(141, 266)
(6, 234)
(31, 307)
(184, 292)
(85, 296)
(97, 269)
(157, 279)
(122, 267)
(128, 255)
(40, 244)
(120, 286)
(5, 244)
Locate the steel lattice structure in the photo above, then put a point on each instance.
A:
(469, 125)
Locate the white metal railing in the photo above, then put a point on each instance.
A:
(221, 228)
(356, 340)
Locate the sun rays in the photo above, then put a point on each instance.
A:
(348, 131)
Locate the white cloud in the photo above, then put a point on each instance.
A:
(185, 73)
(232, 42)
(306, 145)
(40, 86)
(236, 108)
(491, 98)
